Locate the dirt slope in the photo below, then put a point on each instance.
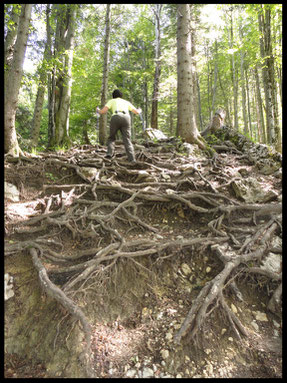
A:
(147, 270)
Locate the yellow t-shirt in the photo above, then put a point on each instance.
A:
(120, 105)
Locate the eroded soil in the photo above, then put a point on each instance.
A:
(154, 226)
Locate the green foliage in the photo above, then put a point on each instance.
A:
(132, 63)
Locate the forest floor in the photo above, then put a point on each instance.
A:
(157, 269)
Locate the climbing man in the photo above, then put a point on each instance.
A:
(120, 120)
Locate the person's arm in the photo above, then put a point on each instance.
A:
(137, 111)
(102, 111)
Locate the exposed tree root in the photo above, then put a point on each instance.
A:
(56, 293)
(106, 201)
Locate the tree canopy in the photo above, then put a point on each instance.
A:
(235, 58)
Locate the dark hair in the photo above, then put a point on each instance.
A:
(117, 93)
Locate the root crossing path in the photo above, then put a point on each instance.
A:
(85, 213)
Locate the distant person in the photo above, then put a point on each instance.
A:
(120, 120)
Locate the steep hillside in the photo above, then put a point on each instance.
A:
(167, 268)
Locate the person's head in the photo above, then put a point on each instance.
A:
(117, 93)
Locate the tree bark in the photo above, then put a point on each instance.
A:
(10, 38)
(62, 115)
(215, 81)
(195, 82)
(265, 50)
(186, 125)
(51, 87)
(233, 71)
(154, 105)
(41, 88)
(13, 82)
(260, 107)
(243, 90)
(248, 101)
(104, 91)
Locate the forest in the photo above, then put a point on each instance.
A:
(79, 53)
(157, 254)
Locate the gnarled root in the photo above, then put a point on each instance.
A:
(55, 292)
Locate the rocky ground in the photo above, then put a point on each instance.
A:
(167, 268)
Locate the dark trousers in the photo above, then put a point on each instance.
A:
(121, 122)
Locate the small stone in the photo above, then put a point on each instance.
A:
(180, 212)
(208, 351)
(262, 317)
(209, 369)
(185, 269)
(230, 339)
(254, 325)
(11, 192)
(208, 269)
(178, 376)
(276, 333)
(147, 373)
(164, 354)
(168, 336)
(223, 331)
(234, 308)
(187, 358)
(276, 324)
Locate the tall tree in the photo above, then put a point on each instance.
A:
(186, 121)
(42, 84)
(272, 124)
(104, 91)
(13, 15)
(243, 90)
(154, 106)
(259, 107)
(61, 82)
(13, 76)
(233, 71)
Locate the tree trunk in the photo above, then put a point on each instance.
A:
(265, 49)
(228, 119)
(243, 90)
(13, 82)
(215, 82)
(85, 133)
(65, 85)
(199, 103)
(145, 87)
(10, 38)
(195, 82)
(248, 102)
(51, 88)
(104, 91)
(260, 106)
(234, 80)
(35, 131)
(186, 125)
(154, 105)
